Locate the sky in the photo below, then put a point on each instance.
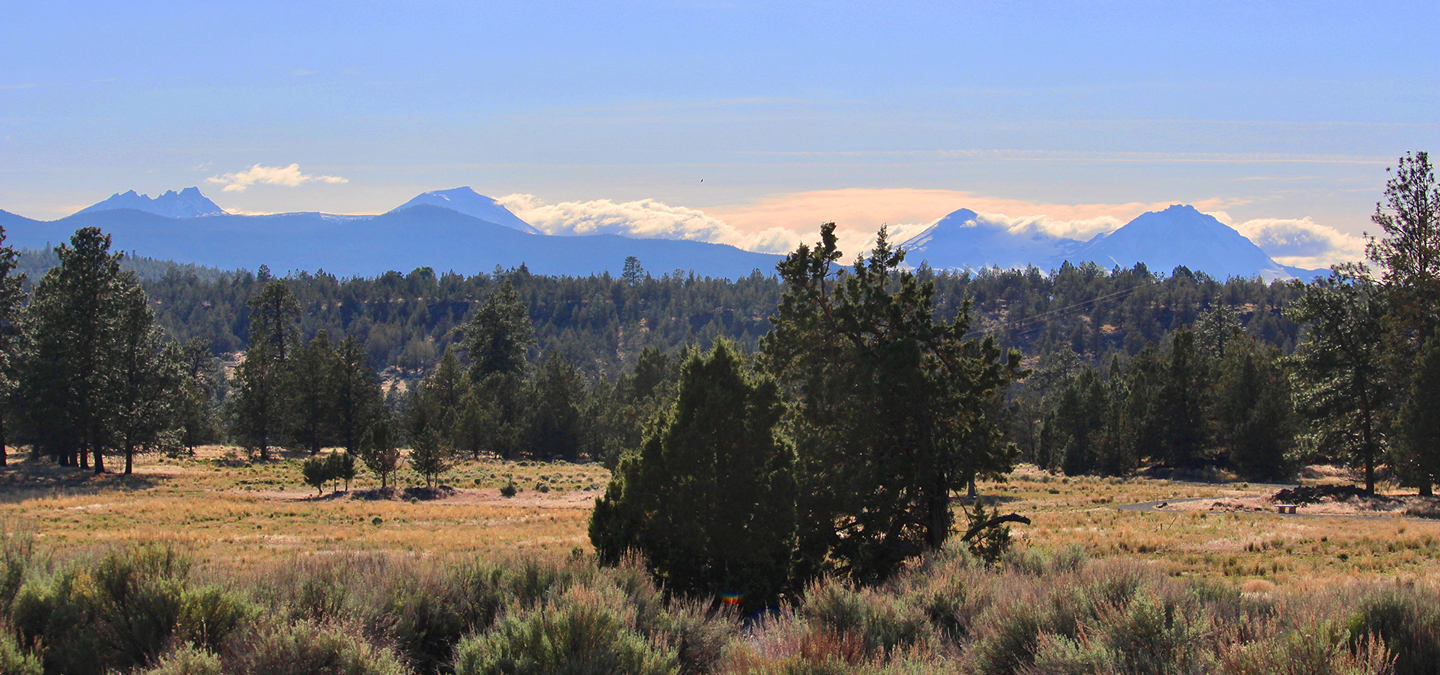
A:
(743, 122)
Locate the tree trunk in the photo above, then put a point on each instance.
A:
(99, 461)
(84, 457)
(1425, 488)
(3, 450)
(129, 458)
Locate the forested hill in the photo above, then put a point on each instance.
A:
(601, 323)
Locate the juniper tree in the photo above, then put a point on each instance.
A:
(358, 401)
(554, 426)
(892, 410)
(308, 387)
(708, 499)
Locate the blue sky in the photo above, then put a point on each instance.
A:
(791, 113)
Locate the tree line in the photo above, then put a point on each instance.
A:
(1360, 387)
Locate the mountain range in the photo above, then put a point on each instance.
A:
(463, 231)
(1163, 240)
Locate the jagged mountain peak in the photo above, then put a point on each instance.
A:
(187, 203)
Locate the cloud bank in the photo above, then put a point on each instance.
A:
(645, 218)
(778, 224)
(287, 176)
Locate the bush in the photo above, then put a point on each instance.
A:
(188, 661)
(585, 632)
(121, 616)
(15, 660)
(509, 490)
(210, 615)
(308, 648)
(881, 623)
(317, 473)
(1409, 627)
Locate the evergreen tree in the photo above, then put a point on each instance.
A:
(66, 396)
(274, 312)
(1183, 403)
(1341, 378)
(892, 410)
(378, 448)
(709, 499)
(200, 380)
(554, 429)
(1409, 253)
(12, 295)
(358, 401)
(496, 338)
(309, 388)
(1418, 425)
(1255, 411)
(147, 380)
(257, 403)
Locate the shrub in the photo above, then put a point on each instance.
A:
(586, 632)
(509, 490)
(317, 473)
(308, 648)
(15, 660)
(120, 616)
(188, 661)
(882, 623)
(210, 615)
(1409, 627)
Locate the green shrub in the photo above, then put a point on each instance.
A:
(120, 616)
(188, 661)
(1408, 625)
(308, 648)
(1156, 635)
(1306, 650)
(317, 472)
(586, 632)
(210, 615)
(883, 623)
(509, 490)
(14, 659)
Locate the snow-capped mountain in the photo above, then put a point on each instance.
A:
(1163, 240)
(964, 240)
(1181, 235)
(473, 204)
(187, 203)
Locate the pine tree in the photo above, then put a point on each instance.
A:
(256, 402)
(1418, 425)
(554, 428)
(1342, 383)
(274, 313)
(358, 400)
(1409, 253)
(66, 395)
(496, 338)
(1183, 403)
(199, 383)
(309, 392)
(378, 449)
(12, 295)
(709, 498)
(1254, 410)
(146, 382)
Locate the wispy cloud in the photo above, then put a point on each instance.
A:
(287, 176)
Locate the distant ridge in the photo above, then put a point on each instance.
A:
(187, 203)
(418, 235)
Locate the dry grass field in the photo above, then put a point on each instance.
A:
(232, 513)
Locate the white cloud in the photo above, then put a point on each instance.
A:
(287, 176)
(646, 218)
(1302, 242)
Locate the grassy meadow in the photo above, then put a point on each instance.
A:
(230, 512)
(214, 564)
